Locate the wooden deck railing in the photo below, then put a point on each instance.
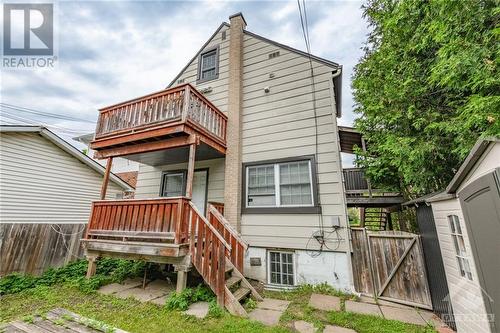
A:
(158, 220)
(355, 180)
(208, 253)
(182, 104)
(218, 205)
(230, 235)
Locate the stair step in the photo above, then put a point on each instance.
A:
(241, 293)
(232, 281)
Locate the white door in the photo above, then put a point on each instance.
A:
(200, 190)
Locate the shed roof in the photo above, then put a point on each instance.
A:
(68, 148)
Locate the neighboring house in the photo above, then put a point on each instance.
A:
(467, 219)
(46, 188)
(245, 130)
(122, 167)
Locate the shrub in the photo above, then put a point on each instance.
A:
(108, 270)
(182, 300)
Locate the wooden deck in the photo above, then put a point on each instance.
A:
(170, 118)
(59, 321)
(359, 192)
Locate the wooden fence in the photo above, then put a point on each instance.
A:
(34, 248)
(390, 265)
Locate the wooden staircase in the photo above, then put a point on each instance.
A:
(375, 218)
(217, 253)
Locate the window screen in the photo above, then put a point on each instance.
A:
(295, 183)
(208, 66)
(459, 244)
(173, 184)
(281, 268)
(261, 189)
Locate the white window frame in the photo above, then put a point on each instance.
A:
(294, 265)
(277, 185)
(462, 258)
(216, 67)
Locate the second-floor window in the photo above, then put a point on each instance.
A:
(208, 67)
(459, 243)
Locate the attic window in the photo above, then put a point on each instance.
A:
(274, 55)
(208, 65)
(223, 35)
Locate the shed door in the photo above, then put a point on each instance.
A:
(480, 203)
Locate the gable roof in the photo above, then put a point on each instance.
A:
(68, 148)
(469, 163)
(289, 48)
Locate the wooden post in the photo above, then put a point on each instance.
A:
(91, 268)
(181, 281)
(190, 172)
(105, 181)
(362, 217)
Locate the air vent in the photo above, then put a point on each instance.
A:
(223, 35)
(180, 81)
(274, 55)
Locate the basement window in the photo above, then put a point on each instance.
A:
(460, 251)
(281, 268)
(208, 65)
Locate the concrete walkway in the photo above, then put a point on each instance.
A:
(155, 291)
(269, 311)
(383, 309)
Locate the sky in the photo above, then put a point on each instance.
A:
(113, 51)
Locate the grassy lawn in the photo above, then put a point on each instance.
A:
(134, 316)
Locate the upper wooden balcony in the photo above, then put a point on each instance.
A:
(169, 118)
(359, 191)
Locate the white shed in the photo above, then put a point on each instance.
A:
(46, 190)
(467, 217)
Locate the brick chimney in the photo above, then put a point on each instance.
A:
(232, 190)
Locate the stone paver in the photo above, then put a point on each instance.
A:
(324, 302)
(160, 300)
(364, 308)
(117, 287)
(366, 299)
(269, 311)
(410, 316)
(273, 304)
(337, 329)
(304, 327)
(198, 309)
(140, 294)
(160, 285)
(265, 316)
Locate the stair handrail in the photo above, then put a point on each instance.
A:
(210, 226)
(226, 224)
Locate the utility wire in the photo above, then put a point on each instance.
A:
(43, 113)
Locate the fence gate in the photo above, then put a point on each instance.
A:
(390, 265)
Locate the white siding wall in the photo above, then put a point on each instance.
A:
(488, 162)
(149, 179)
(41, 183)
(466, 295)
(281, 124)
(218, 95)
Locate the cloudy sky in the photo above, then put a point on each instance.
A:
(112, 51)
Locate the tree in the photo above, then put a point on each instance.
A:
(426, 89)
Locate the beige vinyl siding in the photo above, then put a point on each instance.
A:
(149, 178)
(281, 124)
(41, 183)
(466, 295)
(218, 95)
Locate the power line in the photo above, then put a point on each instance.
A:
(44, 114)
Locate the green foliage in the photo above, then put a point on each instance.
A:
(250, 304)
(214, 310)
(426, 89)
(182, 300)
(108, 270)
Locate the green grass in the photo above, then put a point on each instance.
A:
(133, 316)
